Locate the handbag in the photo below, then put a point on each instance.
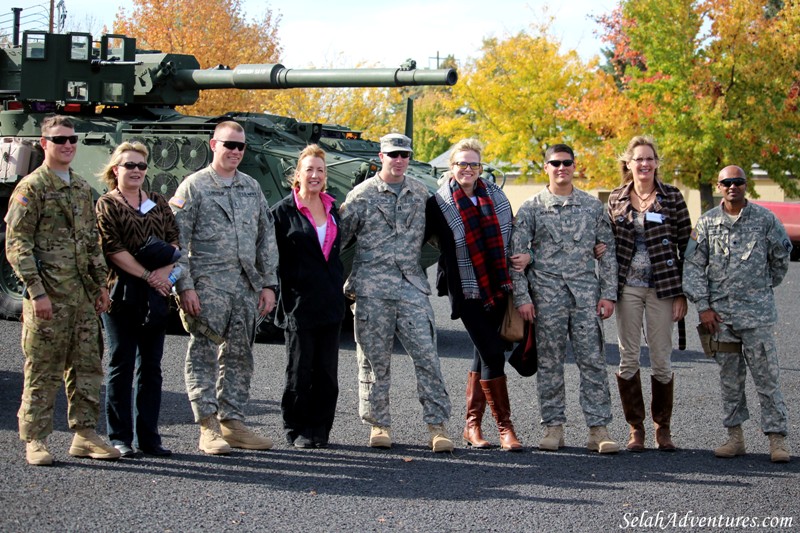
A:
(513, 328)
(525, 357)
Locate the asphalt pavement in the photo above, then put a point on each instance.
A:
(349, 487)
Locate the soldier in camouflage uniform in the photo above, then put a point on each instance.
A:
(738, 252)
(386, 216)
(561, 226)
(52, 244)
(228, 276)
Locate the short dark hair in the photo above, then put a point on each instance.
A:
(558, 148)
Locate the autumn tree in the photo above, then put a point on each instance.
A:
(216, 32)
(511, 98)
(715, 81)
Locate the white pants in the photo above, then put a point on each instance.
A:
(634, 305)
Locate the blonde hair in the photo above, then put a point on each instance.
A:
(107, 174)
(466, 145)
(312, 150)
(626, 157)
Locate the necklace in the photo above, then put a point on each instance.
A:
(139, 195)
(646, 196)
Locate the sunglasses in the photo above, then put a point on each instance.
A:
(557, 163)
(395, 155)
(233, 145)
(62, 139)
(732, 182)
(130, 165)
(463, 165)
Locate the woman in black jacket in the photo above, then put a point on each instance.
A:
(311, 303)
(470, 220)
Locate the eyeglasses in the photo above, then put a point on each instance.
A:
(130, 165)
(463, 165)
(732, 182)
(648, 160)
(62, 139)
(557, 163)
(395, 155)
(232, 145)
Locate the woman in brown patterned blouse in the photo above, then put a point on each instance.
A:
(136, 323)
(651, 230)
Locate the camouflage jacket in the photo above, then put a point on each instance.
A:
(562, 239)
(226, 230)
(389, 230)
(732, 267)
(51, 237)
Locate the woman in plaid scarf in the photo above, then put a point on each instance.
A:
(470, 219)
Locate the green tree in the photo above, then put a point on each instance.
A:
(717, 83)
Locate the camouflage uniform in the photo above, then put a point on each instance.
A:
(732, 269)
(566, 290)
(391, 292)
(230, 237)
(52, 244)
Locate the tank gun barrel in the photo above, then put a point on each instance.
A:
(277, 76)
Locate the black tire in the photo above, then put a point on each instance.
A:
(10, 285)
(795, 255)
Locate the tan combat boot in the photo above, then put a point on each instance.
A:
(777, 448)
(734, 446)
(439, 441)
(211, 440)
(36, 453)
(87, 443)
(599, 441)
(237, 435)
(379, 437)
(553, 438)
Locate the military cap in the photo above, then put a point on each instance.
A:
(395, 142)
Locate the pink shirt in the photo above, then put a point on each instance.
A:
(332, 230)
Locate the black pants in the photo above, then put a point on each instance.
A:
(312, 384)
(483, 327)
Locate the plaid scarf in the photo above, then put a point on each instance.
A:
(481, 233)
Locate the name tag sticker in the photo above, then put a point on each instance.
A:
(147, 205)
(658, 218)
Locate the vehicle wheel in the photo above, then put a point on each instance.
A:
(10, 285)
(795, 255)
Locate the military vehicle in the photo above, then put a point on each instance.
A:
(117, 93)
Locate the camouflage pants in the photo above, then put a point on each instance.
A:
(761, 355)
(411, 318)
(558, 320)
(218, 377)
(68, 347)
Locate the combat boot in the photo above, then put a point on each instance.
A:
(211, 440)
(36, 453)
(553, 438)
(777, 448)
(600, 442)
(379, 437)
(734, 446)
(87, 443)
(439, 441)
(237, 435)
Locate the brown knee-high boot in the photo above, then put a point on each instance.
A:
(661, 409)
(630, 393)
(476, 404)
(496, 393)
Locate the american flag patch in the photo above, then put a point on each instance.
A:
(177, 202)
(23, 200)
